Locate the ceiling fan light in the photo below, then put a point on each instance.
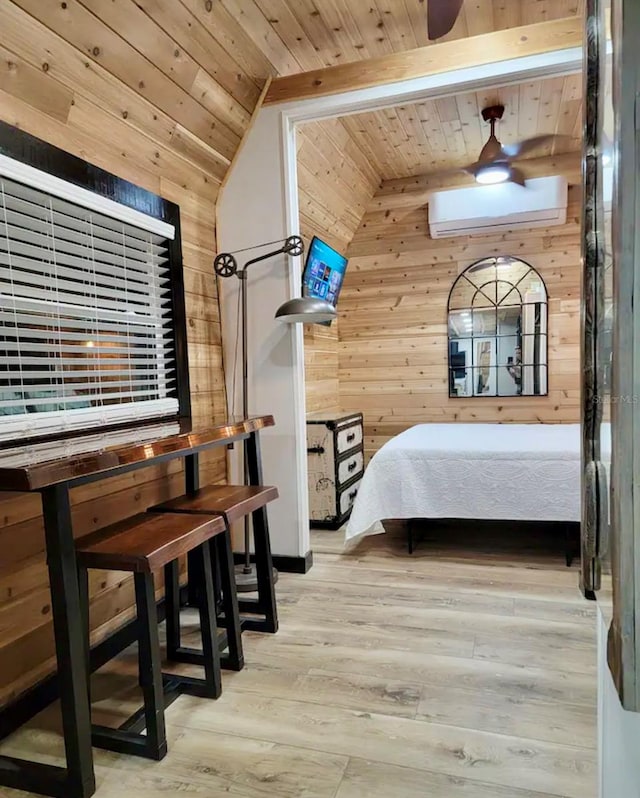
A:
(494, 173)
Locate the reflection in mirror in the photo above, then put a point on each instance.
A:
(498, 330)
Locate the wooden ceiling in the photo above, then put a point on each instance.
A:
(429, 136)
(448, 133)
(300, 35)
(185, 75)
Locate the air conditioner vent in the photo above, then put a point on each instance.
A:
(506, 206)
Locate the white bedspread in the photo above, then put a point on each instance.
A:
(484, 471)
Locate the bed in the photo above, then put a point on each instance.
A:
(473, 471)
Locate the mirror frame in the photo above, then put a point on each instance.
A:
(460, 276)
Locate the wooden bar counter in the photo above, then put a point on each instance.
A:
(52, 468)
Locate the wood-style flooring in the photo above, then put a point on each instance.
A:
(465, 671)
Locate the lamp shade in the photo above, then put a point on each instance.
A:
(306, 310)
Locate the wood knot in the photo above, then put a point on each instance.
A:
(96, 51)
(317, 82)
(45, 67)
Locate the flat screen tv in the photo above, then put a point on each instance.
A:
(323, 272)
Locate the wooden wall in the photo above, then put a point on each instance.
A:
(393, 325)
(335, 184)
(166, 119)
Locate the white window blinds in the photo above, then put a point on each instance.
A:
(85, 315)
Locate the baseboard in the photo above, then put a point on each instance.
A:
(284, 562)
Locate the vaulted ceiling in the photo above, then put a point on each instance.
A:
(186, 75)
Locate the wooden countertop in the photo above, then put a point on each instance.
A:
(33, 466)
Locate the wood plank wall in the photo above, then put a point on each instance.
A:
(169, 120)
(393, 318)
(335, 184)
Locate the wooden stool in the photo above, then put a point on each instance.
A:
(234, 502)
(144, 544)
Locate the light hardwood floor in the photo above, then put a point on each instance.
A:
(465, 671)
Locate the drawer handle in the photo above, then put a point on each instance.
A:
(352, 466)
(315, 450)
(353, 494)
(351, 437)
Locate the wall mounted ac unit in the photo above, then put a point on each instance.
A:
(494, 209)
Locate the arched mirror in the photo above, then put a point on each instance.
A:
(498, 330)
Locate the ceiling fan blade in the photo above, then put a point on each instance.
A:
(442, 16)
(516, 176)
(492, 151)
(522, 148)
(472, 168)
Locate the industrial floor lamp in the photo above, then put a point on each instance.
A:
(300, 310)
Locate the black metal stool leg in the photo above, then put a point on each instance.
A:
(209, 657)
(172, 603)
(264, 570)
(225, 567)
(151, 672)
(208, 628)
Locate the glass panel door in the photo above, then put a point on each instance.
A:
(611, 336)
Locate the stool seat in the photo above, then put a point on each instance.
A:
(233, 501)
(147, 542)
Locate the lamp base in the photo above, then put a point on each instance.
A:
(247, 578)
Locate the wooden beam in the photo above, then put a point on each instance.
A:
(412, 192)
(488, 48)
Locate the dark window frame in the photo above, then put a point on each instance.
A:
(22, 146)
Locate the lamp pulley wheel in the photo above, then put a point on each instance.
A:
(225, 265)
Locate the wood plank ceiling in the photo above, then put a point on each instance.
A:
(447, 133)
(318, 33)
(198, 65)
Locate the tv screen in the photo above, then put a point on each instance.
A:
(323, 272)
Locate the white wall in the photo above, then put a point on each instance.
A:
(254, 207)
(618, 733)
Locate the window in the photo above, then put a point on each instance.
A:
(86, 311)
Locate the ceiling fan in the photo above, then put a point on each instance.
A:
(494, 163)
(442, 16)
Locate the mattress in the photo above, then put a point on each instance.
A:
(478, 471)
